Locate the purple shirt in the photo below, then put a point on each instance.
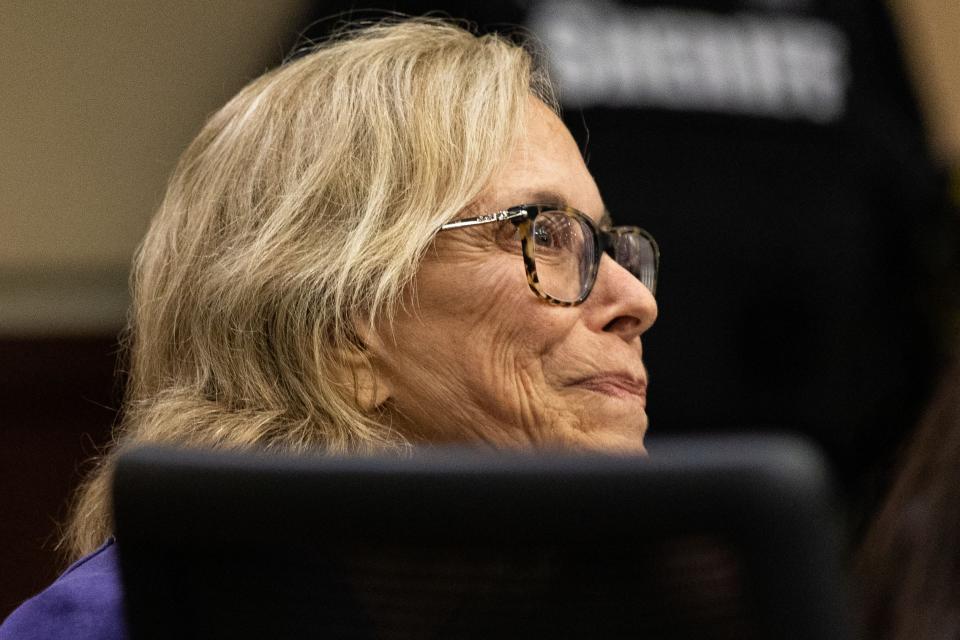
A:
(85, 603)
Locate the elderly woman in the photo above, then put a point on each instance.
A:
(392, 240)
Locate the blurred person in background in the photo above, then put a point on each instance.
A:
(389, 241)
(909, 565)
(909, 562)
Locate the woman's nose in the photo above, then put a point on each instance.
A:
(619, 303)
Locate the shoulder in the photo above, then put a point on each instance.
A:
(84, 603)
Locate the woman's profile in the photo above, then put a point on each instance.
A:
(389, 241)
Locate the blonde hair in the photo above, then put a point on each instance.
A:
(303, 207)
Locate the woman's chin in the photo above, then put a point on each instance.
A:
(612, 432)
(622, 412)
(618, 442)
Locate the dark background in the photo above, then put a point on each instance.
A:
(59, 400)
(806, 267)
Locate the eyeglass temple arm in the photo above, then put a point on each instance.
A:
(484, 219)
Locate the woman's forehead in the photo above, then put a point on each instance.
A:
(545, 166)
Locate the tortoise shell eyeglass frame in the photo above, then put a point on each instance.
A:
(605, 240)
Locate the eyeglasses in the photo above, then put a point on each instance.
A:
(562, 247)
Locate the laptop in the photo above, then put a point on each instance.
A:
(713, 537)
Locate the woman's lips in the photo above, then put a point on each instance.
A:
(614, 384)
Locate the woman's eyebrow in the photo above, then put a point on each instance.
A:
(606, 220)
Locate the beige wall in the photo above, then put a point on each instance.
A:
(930, 30)
(97, 100)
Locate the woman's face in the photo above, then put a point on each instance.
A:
(475, 356)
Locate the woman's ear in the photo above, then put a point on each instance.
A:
(371, 386)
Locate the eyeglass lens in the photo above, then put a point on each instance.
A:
(564, 252)
(565, 255)
(636, 253)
